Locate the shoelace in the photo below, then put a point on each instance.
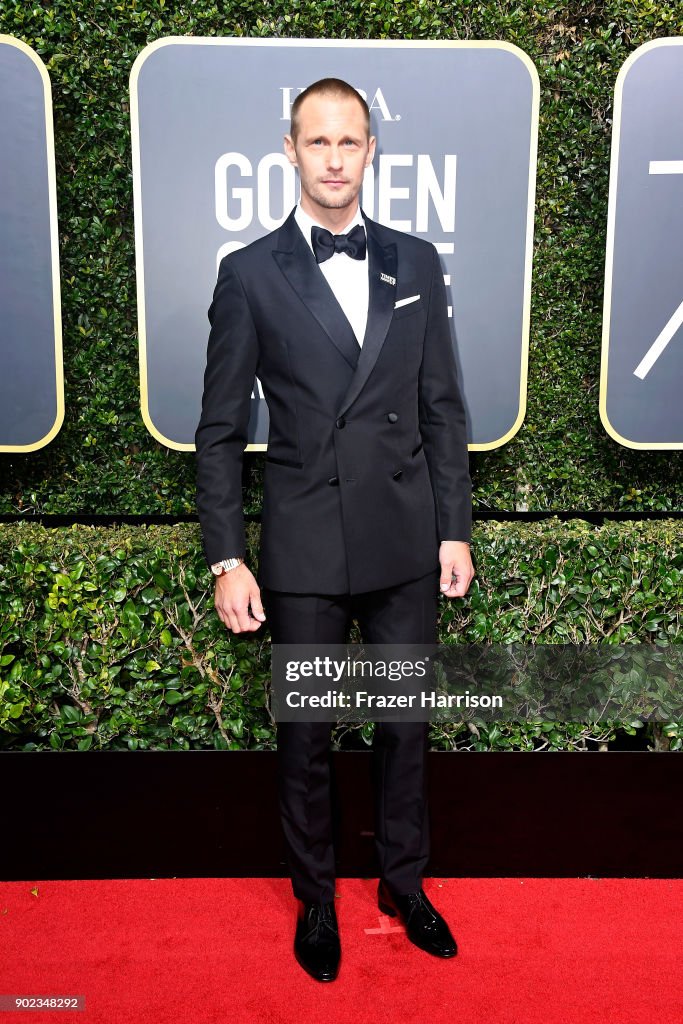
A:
(324, 920)
(419, 900)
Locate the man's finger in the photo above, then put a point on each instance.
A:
(257, 606)
(234, 623)
(446, 576)
(242, 614)
(222, 613)
(459, 583)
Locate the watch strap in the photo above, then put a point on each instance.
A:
(225, 565)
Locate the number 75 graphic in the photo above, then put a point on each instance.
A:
(667, 332)
(642, 371)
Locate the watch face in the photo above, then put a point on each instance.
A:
(216, 569)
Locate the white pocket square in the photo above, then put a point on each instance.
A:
(404, 302)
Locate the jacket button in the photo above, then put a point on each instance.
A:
(398, 474)
(333, 481)
(392, 417)
(341, 422)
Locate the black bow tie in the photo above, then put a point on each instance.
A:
(325, 244)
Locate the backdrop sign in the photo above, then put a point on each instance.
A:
(31, 373)
(456, 125)
(642, 341)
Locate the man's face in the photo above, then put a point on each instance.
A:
(331, 152)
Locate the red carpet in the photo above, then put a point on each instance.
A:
(531, 951)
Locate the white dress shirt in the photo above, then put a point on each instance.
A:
(348, 278)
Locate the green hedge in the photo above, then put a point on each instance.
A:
(110, 639)
(104, 460)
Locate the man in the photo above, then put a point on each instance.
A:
(367, 496)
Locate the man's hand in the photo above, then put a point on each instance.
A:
(457, 571)
(235, 591)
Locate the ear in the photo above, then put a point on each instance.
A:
(290, 151)
(372, 142)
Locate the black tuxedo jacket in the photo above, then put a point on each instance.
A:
(367, 468)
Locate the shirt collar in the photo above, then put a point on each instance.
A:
(306, 222)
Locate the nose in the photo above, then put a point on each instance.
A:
(334, 158)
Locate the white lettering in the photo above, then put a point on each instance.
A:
(226, 248)
(377, 103)
(388, 192)
(428, 188)
(265, 192)
(287, 100)
(244, 196)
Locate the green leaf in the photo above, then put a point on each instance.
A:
(173, 697)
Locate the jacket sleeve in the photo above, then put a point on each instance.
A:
(221, 435)
(443, 423)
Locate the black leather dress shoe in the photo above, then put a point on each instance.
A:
(316, 944)
(425, 927)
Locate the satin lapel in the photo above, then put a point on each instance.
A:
(297, 263)
(382, 262)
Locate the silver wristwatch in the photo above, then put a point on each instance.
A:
(218, 568)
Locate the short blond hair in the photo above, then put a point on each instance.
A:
(334, 87)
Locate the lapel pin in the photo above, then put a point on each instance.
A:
(387, 279)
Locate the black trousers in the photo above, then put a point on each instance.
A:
(404, 614)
